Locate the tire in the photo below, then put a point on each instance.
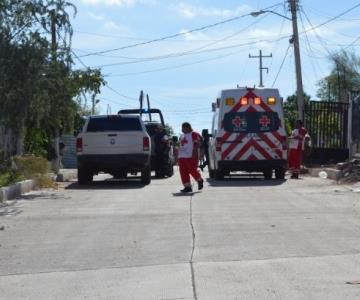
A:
(84, 176)
(146, 175)
(268, 174)
(219, 175)
(280, 173)
(170, 171)
(211, 174)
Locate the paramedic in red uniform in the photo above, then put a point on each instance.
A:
(296, 148)
(189, 158)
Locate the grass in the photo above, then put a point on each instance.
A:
(27, 167)
(8, 177)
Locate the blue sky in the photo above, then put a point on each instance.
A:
(216, 58)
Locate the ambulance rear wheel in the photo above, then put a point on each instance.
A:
(280, 173)
(219, 175)
(268, 174)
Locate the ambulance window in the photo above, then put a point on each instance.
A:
(215, 123)
(251, 122)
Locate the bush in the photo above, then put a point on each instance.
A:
(30, 166)
(27, 167)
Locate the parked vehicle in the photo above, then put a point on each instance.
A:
(156, 119)
(115, 144)
(248, 133)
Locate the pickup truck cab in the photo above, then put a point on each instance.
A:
(114, 144)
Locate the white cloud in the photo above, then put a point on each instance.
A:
(96, 16)
(117, 2)
(189, 11)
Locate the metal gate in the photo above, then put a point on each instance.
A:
(327, 123)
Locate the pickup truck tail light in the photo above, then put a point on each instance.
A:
(218, 144)
(79, 144)
(146, 143)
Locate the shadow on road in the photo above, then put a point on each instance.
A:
(9, 209)
(180, 194)
(245, 180)
(109, 184)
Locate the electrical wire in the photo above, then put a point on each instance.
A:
(281, 66)
(333, 18)
(176, 35)
(184, 53)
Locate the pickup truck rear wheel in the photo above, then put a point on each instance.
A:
(211, 173)
(84, 176)
(146, 176)
(268, 174)
(219, 174)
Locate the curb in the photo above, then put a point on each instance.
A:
(15, 190)
(332, 173)
(66, 175)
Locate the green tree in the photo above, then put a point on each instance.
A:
(40, 94)
(291, 111)
(344, 77)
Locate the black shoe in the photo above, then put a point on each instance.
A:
(295, 176)
(200, 184)
(186, 190)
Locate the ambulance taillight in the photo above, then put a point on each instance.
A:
(218, 144)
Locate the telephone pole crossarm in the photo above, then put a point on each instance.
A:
(261, 68)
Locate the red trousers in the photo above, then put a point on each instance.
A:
(189, 166)
(295, 158)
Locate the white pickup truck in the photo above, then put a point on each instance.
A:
(114, 144)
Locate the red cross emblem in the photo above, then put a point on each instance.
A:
(237, 122)
(184, 141)
(264, 121)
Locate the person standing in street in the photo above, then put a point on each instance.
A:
(189, 158)
(296, 148)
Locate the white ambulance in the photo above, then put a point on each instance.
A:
(248, 133)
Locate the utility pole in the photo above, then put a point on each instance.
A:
(56, 163)
(299, 84)
(261, 68)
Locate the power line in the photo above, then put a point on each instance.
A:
(281, 66)
(333, 18)
(174, 35)
(184, 53)
(106, 84)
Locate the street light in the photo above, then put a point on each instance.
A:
(260, 12)
(295, 41)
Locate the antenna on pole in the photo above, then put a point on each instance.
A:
(141, 100)
(261, 68)
(149, 108)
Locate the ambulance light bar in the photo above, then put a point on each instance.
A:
(257, 100)
(244, 101)
(230, 101)
(271, 100)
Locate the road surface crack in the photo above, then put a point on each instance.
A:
(193, 249)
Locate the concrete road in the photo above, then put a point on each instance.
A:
(237, 239)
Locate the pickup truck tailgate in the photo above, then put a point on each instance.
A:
(113, 142)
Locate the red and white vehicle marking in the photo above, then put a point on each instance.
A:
(253, 146)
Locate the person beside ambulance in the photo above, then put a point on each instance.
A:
(296, 149)
(189, 145)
